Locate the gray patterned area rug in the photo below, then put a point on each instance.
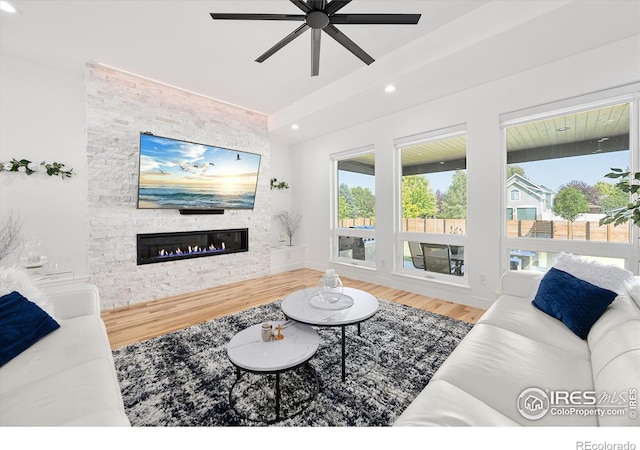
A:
(184, 378)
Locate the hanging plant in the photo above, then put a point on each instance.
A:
(28, 167)
(278, 184)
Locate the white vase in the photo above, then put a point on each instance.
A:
(330, 287)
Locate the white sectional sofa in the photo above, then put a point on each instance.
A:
(516, 355)
(67, 378)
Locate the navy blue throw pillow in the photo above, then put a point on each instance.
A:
(22, 324)
(577, 303)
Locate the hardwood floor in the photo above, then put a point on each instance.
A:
(144, 321)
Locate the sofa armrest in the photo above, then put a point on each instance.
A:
(74, 300)
(520, 283)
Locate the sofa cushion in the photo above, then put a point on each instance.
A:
(57, 381)
(495, 366)
(443, 404)
(85, 394)
(57, 353)
(22, 324)
(518, 315)
(576, 302)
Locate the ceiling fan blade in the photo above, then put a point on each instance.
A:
(336, 5)
(315, 51)
(242, 16)
(290, 37)
(302, 5)
(375, 19)
(348, 44)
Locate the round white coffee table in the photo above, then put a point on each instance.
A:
(299, 306)
(247, 351)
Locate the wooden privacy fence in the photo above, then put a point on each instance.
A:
(444, 226)
(550, 229)
(563, 229)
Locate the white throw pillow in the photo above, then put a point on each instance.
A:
(16, 279)
(633, 289)
(606, 276)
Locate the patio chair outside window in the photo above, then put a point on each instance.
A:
(437, 258)
(416, 255)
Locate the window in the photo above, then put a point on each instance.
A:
(433, 204)
(354, 207)
(557, 164)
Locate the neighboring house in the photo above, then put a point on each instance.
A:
(527, 200)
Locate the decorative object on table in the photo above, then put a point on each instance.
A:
(290, 221)
(28, 167)
(278, 184)
(278, 336)
(330, 286)
(34, 255)
(10, 233)
(266, 331)
(412, 344)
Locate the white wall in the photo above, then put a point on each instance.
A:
(42, 118)
(605, 67)
(281, 199)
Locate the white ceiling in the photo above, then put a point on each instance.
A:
(456, 45)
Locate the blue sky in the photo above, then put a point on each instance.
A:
(168, 161)
(550, 173)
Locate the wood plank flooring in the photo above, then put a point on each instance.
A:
(143, 321)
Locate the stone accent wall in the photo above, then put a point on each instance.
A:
(120, 105)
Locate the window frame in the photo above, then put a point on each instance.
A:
(337, 231)
(400, 237)
(627, 250)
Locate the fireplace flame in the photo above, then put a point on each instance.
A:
(163, 253)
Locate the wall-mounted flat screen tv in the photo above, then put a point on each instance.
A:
(176, 174)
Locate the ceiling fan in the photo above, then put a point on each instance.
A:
(320, 15)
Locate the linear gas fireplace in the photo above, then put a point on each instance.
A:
(161, 247)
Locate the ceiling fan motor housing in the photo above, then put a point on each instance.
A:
(317, 19)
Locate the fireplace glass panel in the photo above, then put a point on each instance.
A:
(161, 247)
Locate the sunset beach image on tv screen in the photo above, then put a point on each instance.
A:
(177, 174)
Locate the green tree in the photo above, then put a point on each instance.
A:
(454, 202)
(570, 202)
(343, 208)
(418, 199)
(513, 169)
(590, 192)
(611, 198)
(346, 203)
(364, 201)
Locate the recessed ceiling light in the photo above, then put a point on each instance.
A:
(389, 88)
(562, 129)
(7, 7)
(295, 126)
